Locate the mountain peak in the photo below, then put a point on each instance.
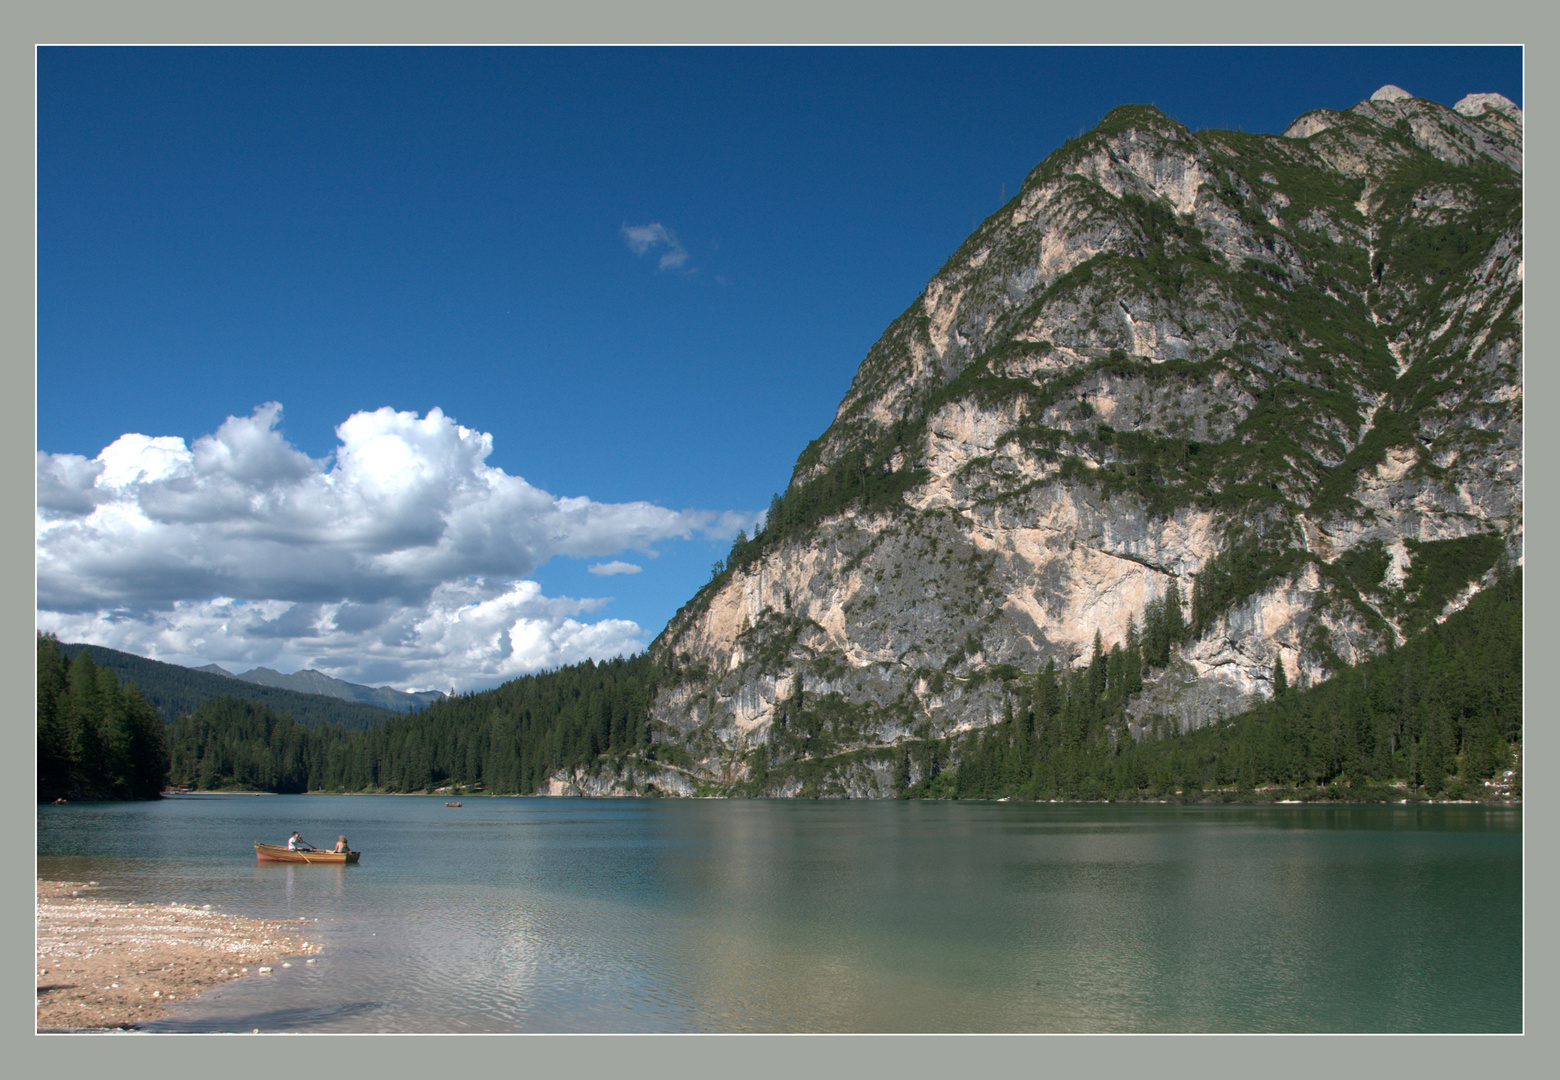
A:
(1476, 105)
(310, 681)
(1391, 93)
(1274, 381)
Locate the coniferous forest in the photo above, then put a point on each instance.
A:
(173, 690)
(1436, 717)
(507, 740)
(96, 738)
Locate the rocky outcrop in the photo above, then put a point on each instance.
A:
(1278, 374)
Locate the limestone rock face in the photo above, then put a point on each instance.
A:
(1280, 376)
(1476, 105)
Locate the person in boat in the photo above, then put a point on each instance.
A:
(341, 844)
(295, 843)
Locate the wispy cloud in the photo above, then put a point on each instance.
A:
(642, 239)
(614, 567)
(402, 557)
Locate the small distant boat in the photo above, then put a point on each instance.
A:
(281, 853)
(452, 804)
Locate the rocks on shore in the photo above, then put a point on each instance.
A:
(105, 964)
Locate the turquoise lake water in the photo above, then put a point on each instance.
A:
(583, 915)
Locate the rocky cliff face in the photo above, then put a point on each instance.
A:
(1279, 376)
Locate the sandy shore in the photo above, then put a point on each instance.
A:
(103, 964)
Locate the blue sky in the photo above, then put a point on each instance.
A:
(647, 276)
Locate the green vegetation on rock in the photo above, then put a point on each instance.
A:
(1439, 717)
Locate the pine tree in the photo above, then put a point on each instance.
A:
(1046, 707)
(1098, 675)
(1133, 676)
(96, 739)
(83, 709)
(1156, 648)
(1176, 630)
(54, 755)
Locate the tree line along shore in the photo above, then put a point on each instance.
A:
(1439, 717)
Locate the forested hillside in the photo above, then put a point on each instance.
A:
(176, 691)
(96, 738)
(507, 740)
(1439, 717)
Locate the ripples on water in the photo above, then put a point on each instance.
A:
(630, 915)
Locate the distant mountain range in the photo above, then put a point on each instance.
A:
(310, 681)
(175, 691)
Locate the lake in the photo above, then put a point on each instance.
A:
(630, 915)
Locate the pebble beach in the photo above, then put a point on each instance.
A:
(107, 965)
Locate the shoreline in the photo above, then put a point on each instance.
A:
(1271, 796)
(105, 965)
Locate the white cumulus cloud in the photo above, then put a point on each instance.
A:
(466, 636)
(616, 566)
(401, 558)
(643, 238)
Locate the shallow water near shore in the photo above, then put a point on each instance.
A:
(582, 915)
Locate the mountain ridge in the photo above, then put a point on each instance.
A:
(1281, 374)
(174, 690)
(309, 681)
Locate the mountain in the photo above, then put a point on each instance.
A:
(310, 681)
(1245, 407)
(176, 691)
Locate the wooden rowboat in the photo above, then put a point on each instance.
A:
(452, 804)
(280, 853)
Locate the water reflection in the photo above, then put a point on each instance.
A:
(622, 915)
(315, 880)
